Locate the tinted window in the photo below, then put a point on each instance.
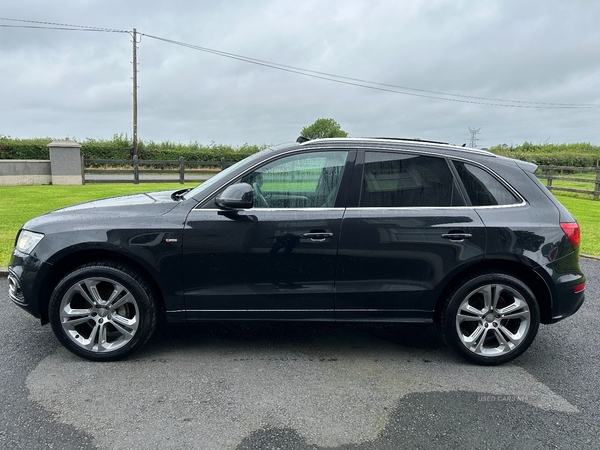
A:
(482, 187)
(400, 180)
(307, 180)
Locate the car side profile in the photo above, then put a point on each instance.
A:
(352, 230)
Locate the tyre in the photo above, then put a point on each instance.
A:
(103, 311)
(490, 319)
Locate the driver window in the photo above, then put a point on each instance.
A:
(307, 180)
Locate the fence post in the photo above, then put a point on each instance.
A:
(181, 170)
(597, 184)
(550, 175)
(136, 170)
(222, 163)
(82, 170)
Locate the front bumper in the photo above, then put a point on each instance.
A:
(15, 292)
(25, 276)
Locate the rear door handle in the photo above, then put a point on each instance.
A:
(457, 236)
(317, 235)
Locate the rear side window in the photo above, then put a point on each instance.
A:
(482, 187)
(404, 180)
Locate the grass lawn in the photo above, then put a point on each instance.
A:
(18, 204)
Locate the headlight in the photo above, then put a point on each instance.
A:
(28, 240)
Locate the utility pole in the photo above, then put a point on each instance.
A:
(135, 88)
(473, 141)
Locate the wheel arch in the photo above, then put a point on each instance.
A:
(517, 269)
(70, 262)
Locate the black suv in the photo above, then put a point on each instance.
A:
(378, 230)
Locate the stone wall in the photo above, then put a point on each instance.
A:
(65, 167)
(15, 172)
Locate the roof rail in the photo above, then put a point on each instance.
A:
(409, 139)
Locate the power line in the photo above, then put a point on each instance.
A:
(384, 87)
(59, 26)
(255, 60)
(359, 83)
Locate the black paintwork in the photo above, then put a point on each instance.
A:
(338, 263)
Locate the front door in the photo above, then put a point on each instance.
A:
(276, 260)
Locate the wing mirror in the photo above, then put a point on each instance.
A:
(236, 196)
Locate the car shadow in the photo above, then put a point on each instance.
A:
(329, 337)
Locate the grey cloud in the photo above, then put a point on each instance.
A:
(78, 83)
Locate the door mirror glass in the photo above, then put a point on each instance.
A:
(236, 196)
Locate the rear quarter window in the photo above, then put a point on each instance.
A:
(482, 188)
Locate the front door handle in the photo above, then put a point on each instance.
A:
(317, 236)
(457, 236)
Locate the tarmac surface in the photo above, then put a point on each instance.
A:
(300, 386)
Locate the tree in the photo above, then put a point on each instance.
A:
(323, 128)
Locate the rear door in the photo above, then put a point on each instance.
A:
(407, 232)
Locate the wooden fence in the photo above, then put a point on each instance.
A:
(132, 168)
(565, 173)
(123, 170)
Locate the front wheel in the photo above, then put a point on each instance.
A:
(490, 319)
(103, 311)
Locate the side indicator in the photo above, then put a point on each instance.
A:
(170, 240)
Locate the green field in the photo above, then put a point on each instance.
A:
(21, 203)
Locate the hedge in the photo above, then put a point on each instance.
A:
(119, 147)
(577, 155)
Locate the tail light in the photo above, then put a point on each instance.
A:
(573, 233)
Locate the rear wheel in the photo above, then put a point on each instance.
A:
(490, 319)
(103, 311)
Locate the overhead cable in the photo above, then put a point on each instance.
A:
(382, 86)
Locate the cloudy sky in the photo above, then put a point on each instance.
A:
(516, 70)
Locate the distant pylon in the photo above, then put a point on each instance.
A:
(473, 141)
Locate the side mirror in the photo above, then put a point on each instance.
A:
(236, 196)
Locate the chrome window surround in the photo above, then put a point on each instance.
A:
(384, 149)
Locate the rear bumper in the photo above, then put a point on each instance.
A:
(568, 302)
(566, 289)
